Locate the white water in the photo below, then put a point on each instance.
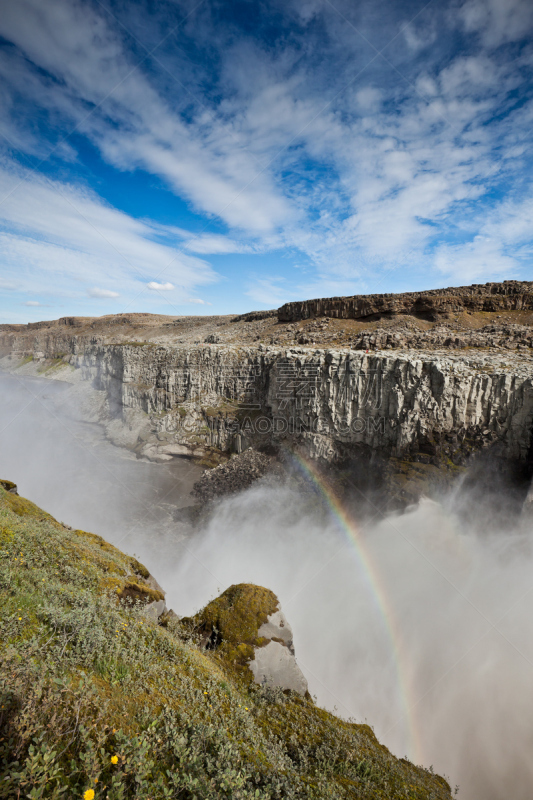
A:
(452, 688)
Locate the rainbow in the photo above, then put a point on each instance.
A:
(379, 593)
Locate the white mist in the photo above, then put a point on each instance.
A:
(420, 627)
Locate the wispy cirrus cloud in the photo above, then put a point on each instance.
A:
(361, 165)
(60, 229)
(211, 244)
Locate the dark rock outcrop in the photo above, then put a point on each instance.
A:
(509, 295)
(253, 316)
(9, 486)
(237, 474)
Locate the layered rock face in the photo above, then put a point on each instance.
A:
(180, 401)
(509, 295)
(406, 391)
(507, 337)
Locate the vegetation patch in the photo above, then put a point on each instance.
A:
(97, 701)
(137, 592)
(25, 360)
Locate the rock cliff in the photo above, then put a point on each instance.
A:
(401, 396)
(489, 297)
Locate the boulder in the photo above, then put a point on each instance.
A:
(275, 663)
(248, 630)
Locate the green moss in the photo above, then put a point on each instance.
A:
(212, 458)
(139, 568)
(51, 365)
(23, 507)
(226, 409)
(230, 624)
(408, 479)
(238, 613)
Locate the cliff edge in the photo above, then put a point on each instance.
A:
(386, 394)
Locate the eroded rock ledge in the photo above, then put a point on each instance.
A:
(432, 303)
(237, 474)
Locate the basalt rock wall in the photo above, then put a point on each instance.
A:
(328, 403)
(506, 296)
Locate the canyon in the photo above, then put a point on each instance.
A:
(380, 414)
(404, 399)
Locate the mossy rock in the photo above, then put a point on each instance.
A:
(230, 624)
(139, 569)
(9, 486)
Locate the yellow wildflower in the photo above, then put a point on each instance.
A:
(114, 759)
(89, 794)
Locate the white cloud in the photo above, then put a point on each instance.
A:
(34, 303)
(500, 244)
(480, 259)
(209, 244)
(497, 21)
(75, 44)
(268, 292)
(365, 184)
(160, 287)
(198, 301)
(69, 232)
(102, 294)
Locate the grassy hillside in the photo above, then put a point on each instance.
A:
(99, 701)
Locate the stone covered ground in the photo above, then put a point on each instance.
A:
(501, 330)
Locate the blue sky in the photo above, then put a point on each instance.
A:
(217, 157)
